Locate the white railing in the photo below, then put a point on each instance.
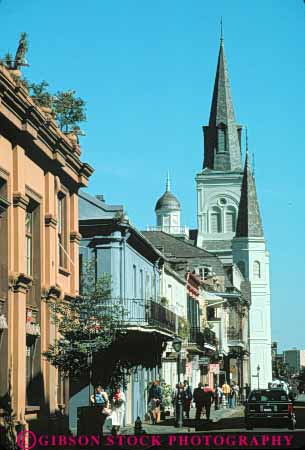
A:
(170, 229)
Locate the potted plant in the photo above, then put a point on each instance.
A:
(164, 301)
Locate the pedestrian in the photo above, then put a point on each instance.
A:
(155, 400)
(118, 409)
(99, 397)
(232, 395)
(236, 390)
(187, 399)
(198, 400)
(208, 399)
(226, 391)
(217, 396)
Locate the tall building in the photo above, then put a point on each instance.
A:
(294, 359)
(229, 221)
(40, 175)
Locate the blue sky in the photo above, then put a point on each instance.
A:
(146, 71)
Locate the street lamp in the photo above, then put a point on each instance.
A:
(177, 343)
(89, 364)
(258, 369)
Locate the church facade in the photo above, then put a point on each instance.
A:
(228, 217)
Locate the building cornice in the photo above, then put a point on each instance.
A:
(34, 130)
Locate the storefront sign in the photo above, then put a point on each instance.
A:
(204, 360)
(214, 368)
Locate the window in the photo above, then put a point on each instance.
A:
(134, 281)
(215, 220)
(141, 284)
(221, 139)
(61, 230)
(29, 242)
(230, 219)
(4, 204)
(256, 269)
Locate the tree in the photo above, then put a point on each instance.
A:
(87, 325)
(40, 95)
(69, 109)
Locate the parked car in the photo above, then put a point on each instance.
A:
(269, 407)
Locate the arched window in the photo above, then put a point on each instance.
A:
(221, 138)
(256, 269)
(242, 267)
(230, 219)
(215, 220)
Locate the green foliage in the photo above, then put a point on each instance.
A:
(40, 95)
(69, 109)
(167, 392)
(86, 325)
(8, 61)
(164, 301)
(183, 328)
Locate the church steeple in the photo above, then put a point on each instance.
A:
(249, 223)
(222, 147)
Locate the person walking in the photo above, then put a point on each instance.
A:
(100, 400)
(226, 391)
(118, 409)
(232, 395)
(155, 400)
(208, 399)
(236, 390)
(187, 399)
(198, 397)
(217, 396)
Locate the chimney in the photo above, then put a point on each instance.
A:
(100, 197)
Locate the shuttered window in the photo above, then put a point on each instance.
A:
(221, 139)
(230, 220)
(215, 220)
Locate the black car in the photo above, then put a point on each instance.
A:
(267, 407)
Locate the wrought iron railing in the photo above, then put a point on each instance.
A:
(143, 312)
(202, 337)
(235, 335)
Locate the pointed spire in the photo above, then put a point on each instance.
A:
(249, 223)
(168, 183)
(222, 136)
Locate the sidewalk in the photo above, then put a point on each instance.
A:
(168, 426)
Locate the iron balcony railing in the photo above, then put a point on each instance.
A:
(143, 312)
(235, 335)
(202, 337)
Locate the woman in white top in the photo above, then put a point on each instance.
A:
(118, 409)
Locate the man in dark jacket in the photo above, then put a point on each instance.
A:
(198, 399)
(187, 399)
(208, 398)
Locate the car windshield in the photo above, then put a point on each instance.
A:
(268, 396)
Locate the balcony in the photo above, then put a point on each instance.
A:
(235, 338)
(144, 313)
(204, 339)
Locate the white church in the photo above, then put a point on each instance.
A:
(228, 216)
